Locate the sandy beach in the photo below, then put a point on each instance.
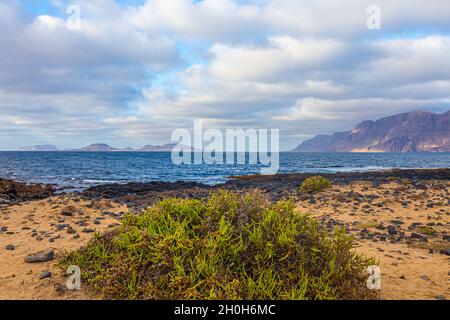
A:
(401, 217)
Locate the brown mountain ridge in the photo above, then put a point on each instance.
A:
(417, 131)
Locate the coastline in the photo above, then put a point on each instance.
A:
(141, 195)
(401, 217)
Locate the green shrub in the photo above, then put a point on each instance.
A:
(228, 246)
(315, 184)
(407, 182)
(429, 231)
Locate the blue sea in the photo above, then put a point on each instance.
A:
(78, 170)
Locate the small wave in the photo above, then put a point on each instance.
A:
(93, 181)
(359, 169)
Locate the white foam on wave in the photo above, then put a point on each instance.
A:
(360, 169)
(92, 181)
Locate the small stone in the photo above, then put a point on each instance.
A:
(303, 197)
(43, 256)
(45, 275)
(67, 213)
(10, 247)
(397, 222)
(441, 297)
(71, 230)
(88, 230)
(419, 237)
(60, 227)
(5, 201)
(392, 230)
(75, 237)
(425, 277)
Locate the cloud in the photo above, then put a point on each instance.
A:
(236, 20)
(133, 72)
(280, 58)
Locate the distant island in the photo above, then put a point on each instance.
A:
(102, 147)
(46, 147)
(417, 131)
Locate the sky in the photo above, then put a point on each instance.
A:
(128, 73)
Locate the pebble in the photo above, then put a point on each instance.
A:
(419, 237)
(10, 247)
(45, 275)
(67, 213)
(60, 227)
(392, 230)
(71, 230)
(43, 256)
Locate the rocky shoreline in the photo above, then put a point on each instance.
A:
(14, 192)
(141, 195)
(277, 186)
(138, 196)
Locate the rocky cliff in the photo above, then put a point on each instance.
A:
(408, 132)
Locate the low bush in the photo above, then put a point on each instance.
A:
(315, 184)
(407, 182)
(429, 231)
(227, 246)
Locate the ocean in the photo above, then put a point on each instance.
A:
(78, 170)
